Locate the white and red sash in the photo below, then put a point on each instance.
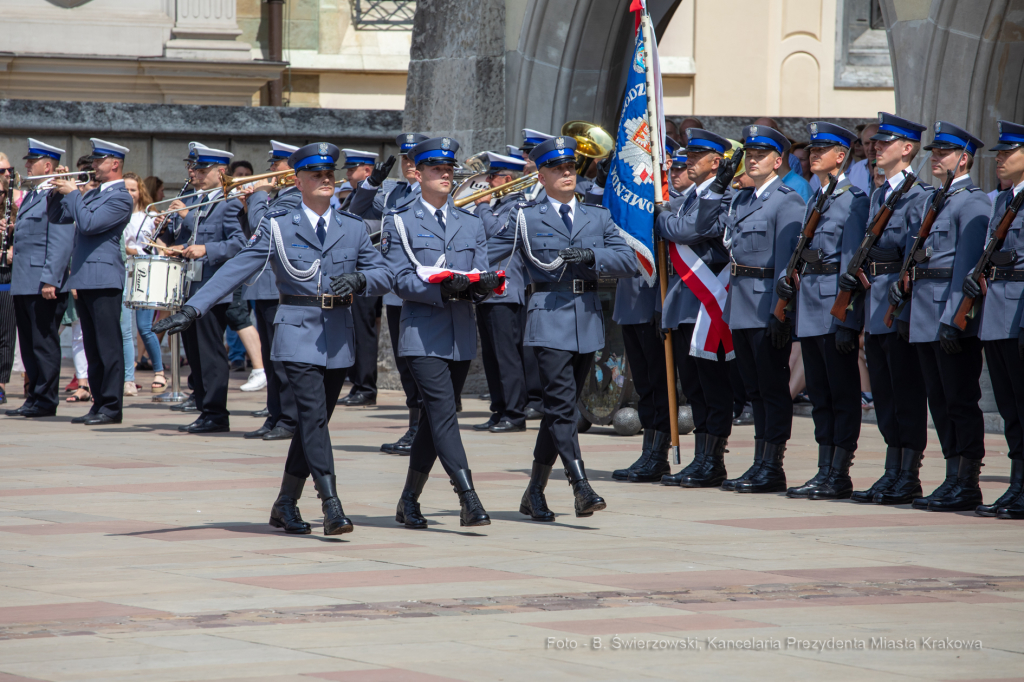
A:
(712, 292)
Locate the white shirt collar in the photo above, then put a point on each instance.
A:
(704, 185)
(414, 187)
(431, 209)
(315, 217)
(966, 177)
(1018, 188)
(897, 180)
(761, 190)
(107, 185)
(558, 206)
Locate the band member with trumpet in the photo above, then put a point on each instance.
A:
(210, 235)
(359, 166)
(321, 259)
(567, 246)
(39, 280)
(97, 274)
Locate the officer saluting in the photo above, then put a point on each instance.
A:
(567, 246)
(97, 273)
(321, 258)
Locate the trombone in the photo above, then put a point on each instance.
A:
(227, 183)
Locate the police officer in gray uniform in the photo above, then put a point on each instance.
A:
(209, 237)
(895, 371)
(321, 258)
(951, 359)
(97, 273)
(437, 332)
(281, 420)
(830, 346)
(1002, 325)
(566, 246)
(762, 227)
(39, 289)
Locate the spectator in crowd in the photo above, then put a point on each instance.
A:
(861, 172)
(154, 188)
(799, 150)
(240, 169)
(138, 234)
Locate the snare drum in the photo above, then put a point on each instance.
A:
(155, 283)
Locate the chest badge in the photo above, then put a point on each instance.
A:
(296, 219)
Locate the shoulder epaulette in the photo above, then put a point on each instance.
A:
(925, 187)
(459, 208)
(856, 191)
(276, 212)
(350, 215)
(786, 189)
(400, 209)
(589, 205)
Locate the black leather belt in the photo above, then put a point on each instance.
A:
(738, 270)
(931, 273)
(1006, 275)
(326, 302)
(576, 286)
(884, 268)
(463, 295)
(820, 268)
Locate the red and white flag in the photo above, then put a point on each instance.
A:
(712, 291)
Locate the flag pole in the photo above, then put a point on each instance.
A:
(660, 249)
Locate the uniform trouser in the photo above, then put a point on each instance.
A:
(898, 390)
(534, 389)
(705, 383)
(954, 394)
(645, 352)
(39, 337)
(363, 374)
(739, 392)
(440, 382)
(833, 383)
(208, 360)
(412, 394)
(501, 350)
(1007, 373)
(238, 316)
(8, 327)
(564, 374)
(316, 391)
(100, 313)
(765, 372)
(280, 395)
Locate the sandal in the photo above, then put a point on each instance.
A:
(78, 398)
(159, 384)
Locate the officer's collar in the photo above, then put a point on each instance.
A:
(107, 185)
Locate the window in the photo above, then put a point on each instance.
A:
(383, 15)
(862, 48)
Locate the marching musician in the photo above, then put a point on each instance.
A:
(39, 281)
(321, 259)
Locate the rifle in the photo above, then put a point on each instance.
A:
(796, 260)
(994, 244)
(922, 235)
(856, 267)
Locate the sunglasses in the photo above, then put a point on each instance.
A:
(7, 170)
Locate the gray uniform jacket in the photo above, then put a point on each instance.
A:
(892, 246)
(1004, 302)
(42, 248)
(100, 217)
(218, 227)
(956, 241)
(430, 325)
(560, 319)
(499, 250)
(840, 231)
(306, 334)
(763, 232)
(370, 204)
(264, 288)
(697, 223)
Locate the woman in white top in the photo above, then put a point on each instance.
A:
(138, 235)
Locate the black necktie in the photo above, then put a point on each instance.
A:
(690, 200)
(566, 218)
(439, 215)
(321, 230)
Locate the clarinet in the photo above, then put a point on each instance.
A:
(7, 230)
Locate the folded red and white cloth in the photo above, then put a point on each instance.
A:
(433, 275)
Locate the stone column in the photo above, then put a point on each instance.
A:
(206, 30)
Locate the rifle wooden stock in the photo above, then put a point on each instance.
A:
(810, 227)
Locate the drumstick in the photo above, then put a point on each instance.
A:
(166, 248)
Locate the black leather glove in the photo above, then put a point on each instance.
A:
(454, 284)
(848, 282)
(781, 332)
(949, 339)
(847, 340)
(603, 167)
(489, 281)
(178, 322)
(1020, 345)
(903, 329)
(575, 256)
(784, 289)
(726, 171)
(348, 284)
(896, 294)
(971, 288)
(658, 326)
(381, 170)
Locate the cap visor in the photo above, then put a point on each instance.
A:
(438, 161)
(758, 145)
(1003, 146)
(319, 167)
(559, 161)
(37, 156)
(939, 145)
(885, 137)
(824, 143)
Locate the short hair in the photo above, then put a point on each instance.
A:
(915, 147)
(235, 165)
(83, 161)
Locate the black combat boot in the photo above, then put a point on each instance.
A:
(657, 464)
(884, 484)
(1015, 508)
(1011, 494)
(285, 512)
(645, 454)
(335, 521)
(825, 453)
(770, 477)
(731, 483)
(907, 486)
(711, 471)
(534, 504)
(965, 494)
(587, 501)
(952, 469)
(408, 511)
(473, 513)
(698, 456)
(837, 485)
(404, 444)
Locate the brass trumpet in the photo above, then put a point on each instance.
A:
(228, 184)
(51, 176)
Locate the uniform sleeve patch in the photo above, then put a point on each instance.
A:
(255, 237)
(385, 243)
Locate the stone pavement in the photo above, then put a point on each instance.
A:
(139, 553)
